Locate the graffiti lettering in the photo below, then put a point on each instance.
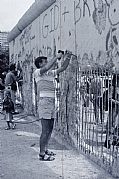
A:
(27, 33)
(51, 13)
(56, 17)
(99, 15)
(46, 50)
(112, 38)
(45, 27)
(21, 40)
(24, 39)
(77, 12)
(50, 21)
(65, 12)
(80, 11)
(85, 4)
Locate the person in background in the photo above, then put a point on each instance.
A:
(8, 107)
(2, 83)
(10, 83)
(44, 77)
(2, 87)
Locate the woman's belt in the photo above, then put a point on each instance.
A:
(47, 94)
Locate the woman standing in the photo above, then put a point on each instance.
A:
(44, 80)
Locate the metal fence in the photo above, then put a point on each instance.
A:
(96, 124)
(98, 100)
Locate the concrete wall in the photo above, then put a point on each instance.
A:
(88, 29)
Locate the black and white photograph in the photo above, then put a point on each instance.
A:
(59, 89)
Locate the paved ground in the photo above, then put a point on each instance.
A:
(19, 156)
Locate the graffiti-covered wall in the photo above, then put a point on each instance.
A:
(90, 29)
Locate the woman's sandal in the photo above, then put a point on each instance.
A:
(46, 157)
(14, 126)
(50, 153)
(7, 128)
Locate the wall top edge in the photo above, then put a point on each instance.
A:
(36, 9)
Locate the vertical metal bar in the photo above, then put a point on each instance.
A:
(90, 111)
(102, 108)
(85, 122)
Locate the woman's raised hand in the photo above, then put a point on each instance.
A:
(59, 56)
(68, 54)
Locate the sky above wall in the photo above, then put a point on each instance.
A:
(11, 11)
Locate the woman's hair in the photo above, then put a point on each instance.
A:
(39, 60)
(12, 67)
